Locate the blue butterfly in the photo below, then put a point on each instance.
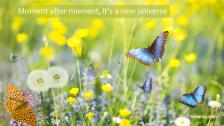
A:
(152, 54)
(91, 71)
(195, 98)
(147, 87)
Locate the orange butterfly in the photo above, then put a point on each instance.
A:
(18, 107)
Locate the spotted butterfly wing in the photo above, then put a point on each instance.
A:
(195, 98)
(15, 93)
(147, 87)
(18, 107)
(152, 54)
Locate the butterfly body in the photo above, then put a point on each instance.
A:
(153, 53)
(195, 98)
(18, 107)
(147, 87)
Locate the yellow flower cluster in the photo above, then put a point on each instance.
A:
(190, 58)
(16, 23)
(47, 52)
(174, 63)
(125, 122)
(70, 100)
(88, 95)
(89, 115)
(124, 112)
(107, 88)
(150, 24)
(22, 38)
(105, 74)
(58, 32)
(95, 28)
(81, 33)
(74, 92)
(75, 43)
(180, 35)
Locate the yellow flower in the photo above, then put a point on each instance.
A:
(107, 88)
(70, 100)
(81, 32)
(97, 23)
(169, 28)
(57, 37)
(150, 24)
(167, 21)
(22, 38)
(16, 23)
(47, 52)
(42, 21)
(74, 41)
(182, 20)
(58, 26)
(125, 122)
(74, 91)
(180, 35)
(88, 95)
(174, 63)
(93, 32)
(95, 28)
(76, 44)
(89, 115)
(124, 112)
(105, 74)
(190, 58)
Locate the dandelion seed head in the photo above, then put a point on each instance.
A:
(38, 80)
(59, 77)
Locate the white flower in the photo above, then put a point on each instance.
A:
(214, 104)
(38, 80)
(59, 77)
(116, 120)
(182, 121)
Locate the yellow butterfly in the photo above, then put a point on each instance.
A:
(18, 107)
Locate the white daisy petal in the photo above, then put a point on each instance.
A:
(214, 104)
(182, 121)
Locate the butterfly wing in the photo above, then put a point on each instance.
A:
(147, 87)
(143, 55)
(157, 47)
(91, 72)
(18, 106)
(199, 94)
(15, 93)
(25, 115)
(188, 100)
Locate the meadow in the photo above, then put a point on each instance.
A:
(75, 72)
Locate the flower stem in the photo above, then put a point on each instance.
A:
(83, 113)
(78, 70)
(43, 110)
(55, 104)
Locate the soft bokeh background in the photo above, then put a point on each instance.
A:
(194, 55)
